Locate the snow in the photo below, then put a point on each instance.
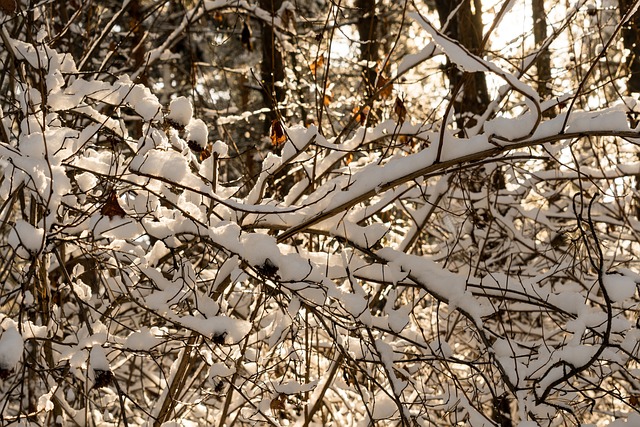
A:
(614, 118)
(299, 138)
(221, 370)
(30, 330)
(512, 129)
(578, 355)
(82, 290)
(42, 57)
(32, 145)
(197, 131)
(232, 330)
(140, 99)
(156, 253)
(251, 8)
(444, 285)
(399, 319)
(86, 181)
(98, 359)
(170, 211)
(293, 387)
(618, 286)
(469, 62)
(355, 304)
(116, 227)
(144, 339)
(384, 408)
(11, 347)
(410, 61)
(44, 402)
(220, 148)
(27, 236)
(170, 165)
(180, 111)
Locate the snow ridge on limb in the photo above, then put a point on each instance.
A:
(375, 179)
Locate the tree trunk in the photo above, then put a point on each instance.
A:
(466, 27)
(631, 42)
(367, 29)
(475, 96)
(543, 62)
(272, 66)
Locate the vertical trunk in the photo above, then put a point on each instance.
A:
(272, 66)
(367, 30)
(466, 27)
(475, 95)
(543, 62)
(631, 41)
(445, 8)
(138, 50)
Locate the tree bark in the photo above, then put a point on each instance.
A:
(272, 66)
(367, 29)
(466, 27)
(543, 62)
(475, 96)
(631, 41)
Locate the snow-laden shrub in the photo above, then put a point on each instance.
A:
(402, 272)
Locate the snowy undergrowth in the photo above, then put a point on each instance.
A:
(152, 289)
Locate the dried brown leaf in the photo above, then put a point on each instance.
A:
(385, 92)
(278, 137)
(277, 404)
(400, 110)
(348, 158)
(202, 152)
(318, 63)
(112, 207)
(361, 114)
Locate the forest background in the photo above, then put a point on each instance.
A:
(347, 212)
